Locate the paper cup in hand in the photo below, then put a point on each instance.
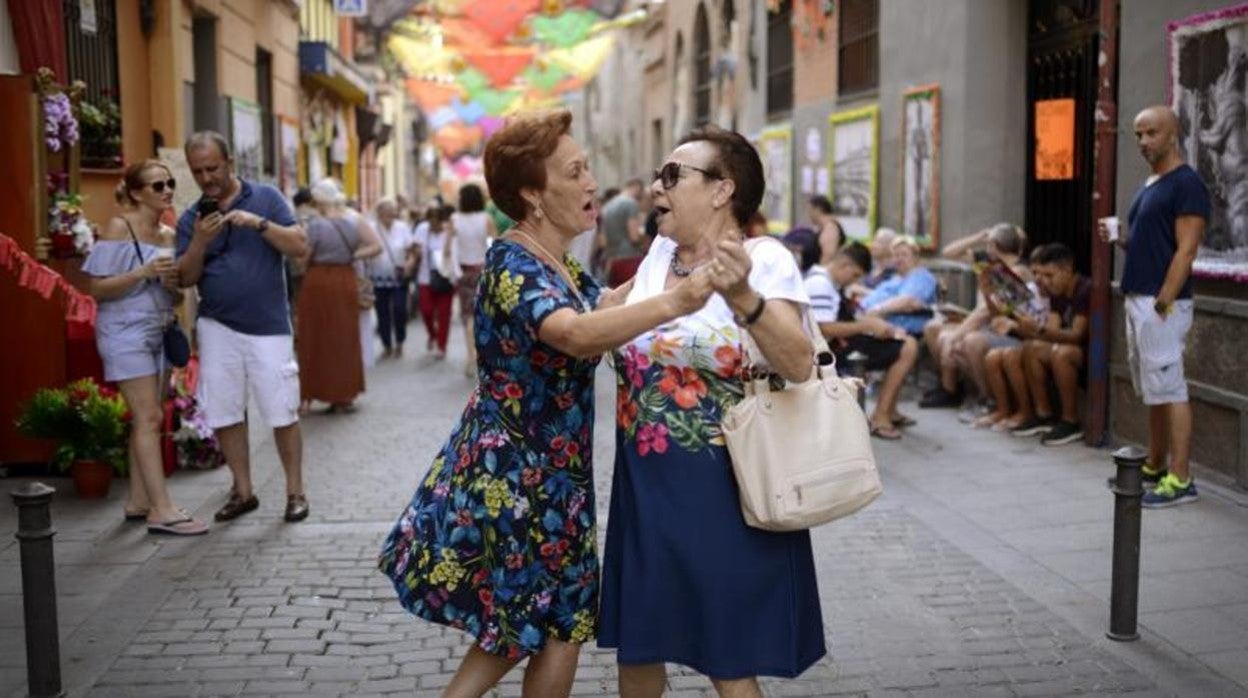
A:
(163, 253)
(1111, 228)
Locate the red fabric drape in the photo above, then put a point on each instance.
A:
(39, 30)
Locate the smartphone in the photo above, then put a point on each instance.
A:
(207, 207)
(980, 256)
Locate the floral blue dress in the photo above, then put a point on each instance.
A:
(499, 539)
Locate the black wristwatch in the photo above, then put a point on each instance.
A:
(1161, 307)
(753, 315)
(264, 225)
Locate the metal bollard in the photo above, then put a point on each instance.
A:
(1124, 596)
(34, 534)
(858, 369)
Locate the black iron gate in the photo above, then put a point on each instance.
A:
(1062, 64)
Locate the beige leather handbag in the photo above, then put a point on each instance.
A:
(802, 455)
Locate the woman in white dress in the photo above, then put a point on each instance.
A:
(471, 230)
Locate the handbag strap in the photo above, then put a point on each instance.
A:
(334, 222)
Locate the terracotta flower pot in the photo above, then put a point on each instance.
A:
(92, 478)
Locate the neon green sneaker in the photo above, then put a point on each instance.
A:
(1170, 491)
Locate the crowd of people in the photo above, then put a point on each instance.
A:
(499, 537)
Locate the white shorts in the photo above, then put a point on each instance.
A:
(1155, 349)
(233, 365)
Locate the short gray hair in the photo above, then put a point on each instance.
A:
(327, 192)
(201, 139)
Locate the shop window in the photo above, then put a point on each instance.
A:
(264, 95)
(780, 60)
(858, 54)
(209, 109)
(91, 45)
(701, 68)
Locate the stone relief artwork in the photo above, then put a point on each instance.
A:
(854, 165)
(1208, 71)
(920, 181)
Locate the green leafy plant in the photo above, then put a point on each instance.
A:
(88, 422)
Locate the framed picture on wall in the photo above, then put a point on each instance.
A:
(246, 137)
(776, 150)
(1208, 56)
(920, 164)
(855, 166)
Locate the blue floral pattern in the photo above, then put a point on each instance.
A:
(499, 539)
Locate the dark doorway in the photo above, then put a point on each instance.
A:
(1062, 65)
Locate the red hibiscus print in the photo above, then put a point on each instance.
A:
(729, 361)
(513, 391)
(684, 385)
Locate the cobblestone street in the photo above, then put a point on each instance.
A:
(928, 592)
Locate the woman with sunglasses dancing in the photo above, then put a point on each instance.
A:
(684, 579)
(135, 281)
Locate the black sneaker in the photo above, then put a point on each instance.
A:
(940, 398)
(1033, 426)
(1062, 433)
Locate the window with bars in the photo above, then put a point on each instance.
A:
(780, 60)
(858, 54)
(701, 68)
(91, 45)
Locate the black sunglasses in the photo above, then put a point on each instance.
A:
(159, 187)
(669, 174)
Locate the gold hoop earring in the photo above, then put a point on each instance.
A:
(537, 213)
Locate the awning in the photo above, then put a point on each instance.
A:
(321, 65)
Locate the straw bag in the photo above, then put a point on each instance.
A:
(801, 454)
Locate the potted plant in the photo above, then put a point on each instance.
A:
(90, 424)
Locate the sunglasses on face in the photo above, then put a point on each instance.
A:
(669, 174)
(159, 187)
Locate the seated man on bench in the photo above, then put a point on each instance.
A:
(1057, 347)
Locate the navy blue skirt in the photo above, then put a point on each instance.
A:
(684, 579)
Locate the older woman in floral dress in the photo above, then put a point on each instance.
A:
(499, 539)
(685, 580)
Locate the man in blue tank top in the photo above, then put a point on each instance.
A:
(231, 246)
(1165, 226)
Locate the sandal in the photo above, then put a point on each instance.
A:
(135, 514)
(185, 526)
(296, 508)
(886, 432)
(901, 420)
(236, 506)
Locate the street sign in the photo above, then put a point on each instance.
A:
(351, 8)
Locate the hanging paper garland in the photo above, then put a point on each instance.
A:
(496, 102)
(79, 307)
(499, 19)
(469, 113)
(545, 77)
(564, 30)
(473, 81)
(430, 95)
(584, 59)
(500, 65)
(457, 138)
(442, 117)
(490, 125)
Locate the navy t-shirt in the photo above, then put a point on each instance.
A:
(1152, 244)
(243, 285)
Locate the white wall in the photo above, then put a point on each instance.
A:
(8, 46)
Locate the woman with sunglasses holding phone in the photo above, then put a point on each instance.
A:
(684, 579)
(135, 281)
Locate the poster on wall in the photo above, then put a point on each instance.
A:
(1055, 139)
(920, 164)
(1208, 75)
(187, 191)
(854, 169)
(288, 150)
(245, 135)
(776, 148)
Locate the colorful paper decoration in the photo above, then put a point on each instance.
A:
(496, 102)
(473, 81)
(500, 65)
(431, 95)
(584, 59)
(500, 18)
(545, 77)
(459, 32)
(469, 113)
(490, 125)
(421, 57)
(565, 29)
(442, 117)
(457, 138)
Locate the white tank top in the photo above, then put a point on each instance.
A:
(471, 236)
